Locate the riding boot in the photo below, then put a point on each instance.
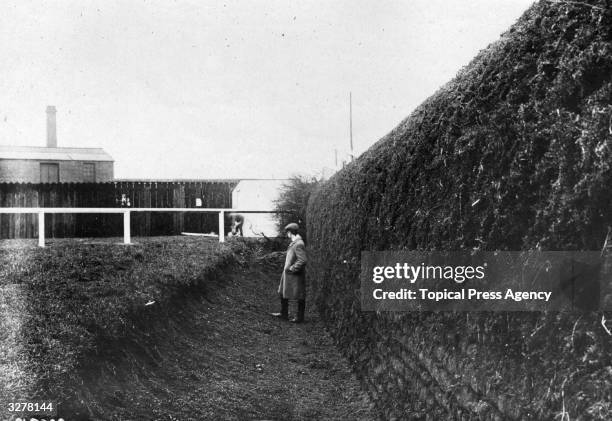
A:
(284, 313)
(300, 312)
(284, 308)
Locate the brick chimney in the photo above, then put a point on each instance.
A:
(51, 127)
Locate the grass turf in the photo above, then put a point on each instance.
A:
(59, 303)
(79, 330)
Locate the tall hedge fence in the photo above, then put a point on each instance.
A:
(515, 153)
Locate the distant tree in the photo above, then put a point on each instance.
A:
(293, 201)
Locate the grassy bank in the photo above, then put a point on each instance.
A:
(219, 355)
(75, 295)
(204, 348)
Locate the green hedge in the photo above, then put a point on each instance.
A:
(514, 153)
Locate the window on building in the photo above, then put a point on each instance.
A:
(89, 173)
(49, 173)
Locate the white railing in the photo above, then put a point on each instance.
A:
(127, 237)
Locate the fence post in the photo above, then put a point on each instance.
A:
(221, 227)
(41, 229)
(127, 239)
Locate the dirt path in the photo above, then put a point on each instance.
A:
(225, 358)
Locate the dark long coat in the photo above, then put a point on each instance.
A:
(293, 280)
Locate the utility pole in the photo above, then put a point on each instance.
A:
(351, 123)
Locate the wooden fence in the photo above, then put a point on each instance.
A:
(132, 194)
(126, 214)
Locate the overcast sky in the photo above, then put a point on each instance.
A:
(241, 89)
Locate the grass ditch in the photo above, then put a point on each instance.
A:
(206, 349)
(78, 297)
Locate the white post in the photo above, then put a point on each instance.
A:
(41, 229)
(126, 228)
(221, 227)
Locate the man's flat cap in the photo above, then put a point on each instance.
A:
(292, 226)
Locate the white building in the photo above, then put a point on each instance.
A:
(254, 194)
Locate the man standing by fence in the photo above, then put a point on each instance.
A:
(293, 279)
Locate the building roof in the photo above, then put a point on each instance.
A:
(54, 154)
